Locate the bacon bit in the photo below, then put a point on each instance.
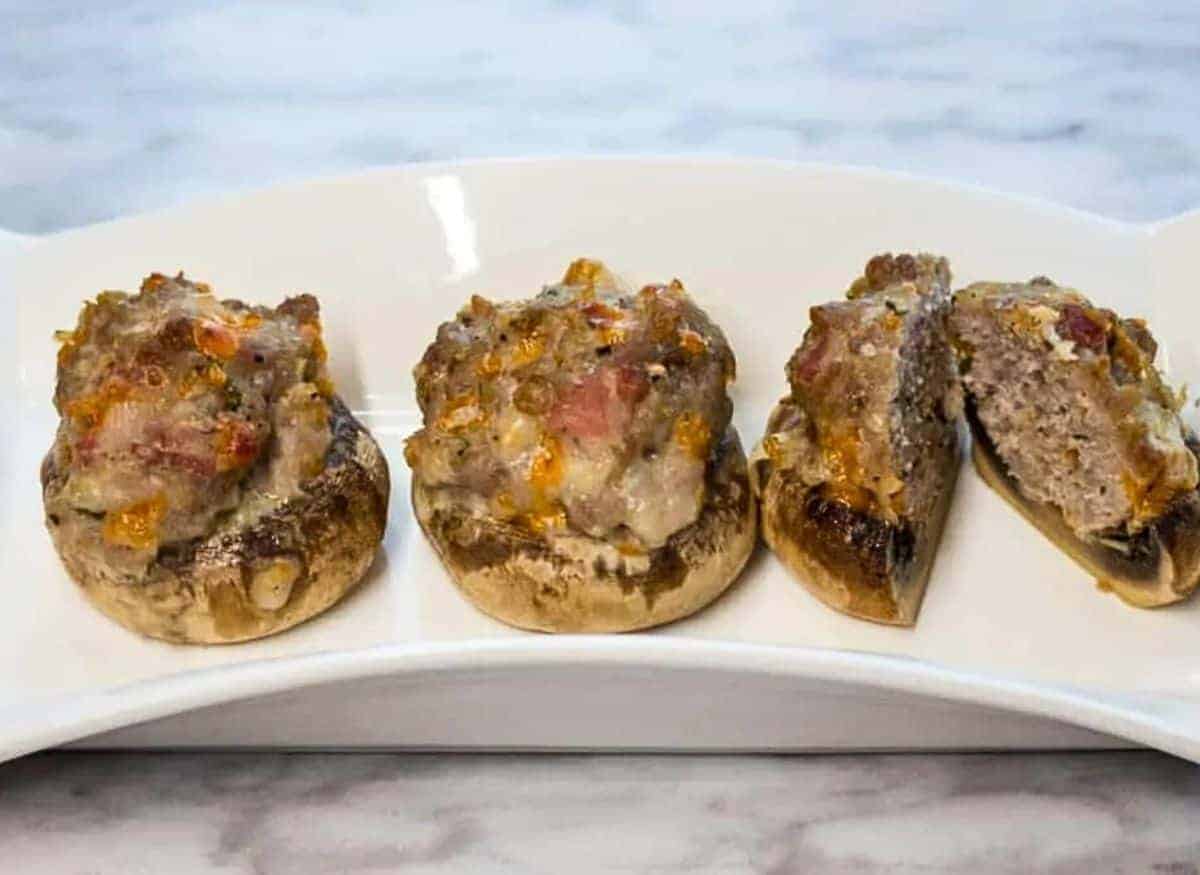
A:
(589, 408)
(461, 412)
(85, 449)
(581, 410)
(810, 357)
(136, 526)
(214, 339)
(601, 403)
(236, 444)
(1076, 325)
(692, 434)
(488, 365)
(153, 283)
(692, 342)
(158, 456)
(632, 383)
(546, 469)
(203, 288)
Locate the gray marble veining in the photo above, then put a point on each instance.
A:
(295, 814)
(116, 107)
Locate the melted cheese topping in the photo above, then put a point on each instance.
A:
(587, 408)
(176, 406)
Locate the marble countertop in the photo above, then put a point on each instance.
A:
(296, 814)
(117, 107)
(109, 109)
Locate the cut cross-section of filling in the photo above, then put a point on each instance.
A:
(1074, 424)
(859, 459)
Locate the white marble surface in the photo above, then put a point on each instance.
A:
(361, 813)
(107, 109)
(114, 107)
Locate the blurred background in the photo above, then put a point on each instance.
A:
(113, 108)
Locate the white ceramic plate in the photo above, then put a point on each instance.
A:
(1009, 626)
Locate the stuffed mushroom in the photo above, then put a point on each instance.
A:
(859, 462)
(577, 470)
(206, 484)
(1074, 426)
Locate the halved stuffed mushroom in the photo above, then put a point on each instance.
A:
(577, 470)
(1074, 426)
(859, 462)
(206, 484)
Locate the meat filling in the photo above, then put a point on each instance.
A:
(588, 406)
(177, 407)
(874, 395)
(1071, 400)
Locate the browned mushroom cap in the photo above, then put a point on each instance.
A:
(291, 563)
(850, 560)
(578, 584)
